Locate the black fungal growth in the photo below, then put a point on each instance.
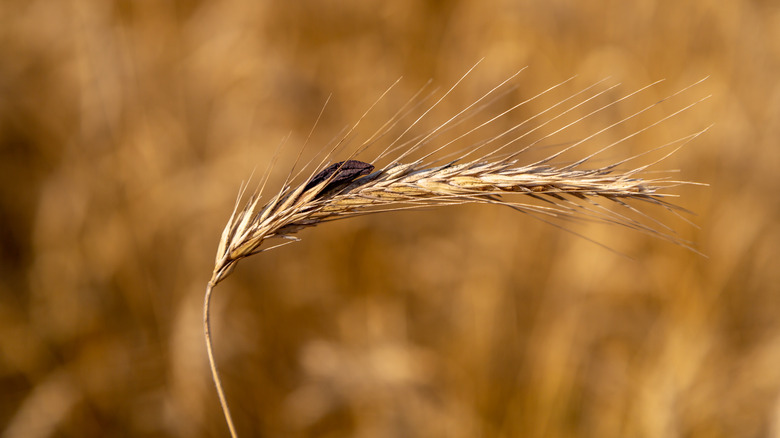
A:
(341, 173)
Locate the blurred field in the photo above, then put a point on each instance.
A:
(127, 127)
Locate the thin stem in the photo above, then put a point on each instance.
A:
(212, 362)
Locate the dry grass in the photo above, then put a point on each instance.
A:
(353, 188)
(126, 128)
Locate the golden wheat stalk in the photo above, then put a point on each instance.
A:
(351, 188)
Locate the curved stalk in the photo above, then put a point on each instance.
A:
(213, 363)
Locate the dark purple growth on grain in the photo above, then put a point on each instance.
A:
(340, 173)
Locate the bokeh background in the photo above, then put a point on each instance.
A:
(126, 128)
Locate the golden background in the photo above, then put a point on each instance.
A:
(126, 128)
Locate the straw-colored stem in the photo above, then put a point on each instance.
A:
(213, 363)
